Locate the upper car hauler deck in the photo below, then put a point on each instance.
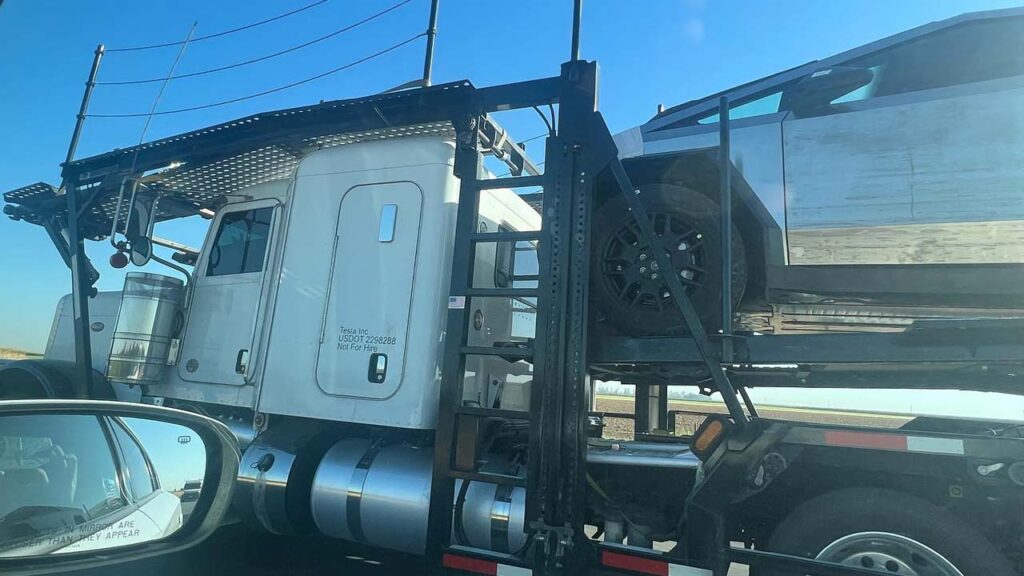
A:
(475, 445)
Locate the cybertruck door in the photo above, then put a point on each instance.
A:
(923, 165)
(218, 347)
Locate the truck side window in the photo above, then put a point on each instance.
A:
(504, 260)
(140, 479)
(241, 242)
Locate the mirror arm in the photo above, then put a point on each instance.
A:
(117, 213)
(173, 265)
(176, 246)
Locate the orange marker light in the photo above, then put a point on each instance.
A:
(708, 437)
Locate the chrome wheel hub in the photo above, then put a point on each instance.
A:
(888, 553)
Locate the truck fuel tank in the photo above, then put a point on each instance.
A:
(368, 492)
(149, 319)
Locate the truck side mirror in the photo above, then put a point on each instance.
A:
(88, 484)
(139, 228)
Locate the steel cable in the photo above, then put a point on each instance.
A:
(266, 92)
(218, 34)
(262, 58)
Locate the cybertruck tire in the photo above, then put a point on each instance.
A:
(628, 292)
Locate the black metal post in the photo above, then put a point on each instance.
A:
(663, 407)
(641, 409)
(751, 409)
(428, 59)
(577, 15)
(80, 281)
(725, 184)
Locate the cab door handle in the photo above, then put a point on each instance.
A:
(241, 361)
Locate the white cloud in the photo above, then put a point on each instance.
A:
(693, 30)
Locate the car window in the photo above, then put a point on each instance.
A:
(241, 242)
(138, 474)
(66, 465)
(758, 107)
(970, 52)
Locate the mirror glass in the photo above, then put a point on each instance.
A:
(77, 482)
(140, 228)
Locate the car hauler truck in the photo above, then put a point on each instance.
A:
(405, 347)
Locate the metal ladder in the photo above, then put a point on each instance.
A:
(555, 478)
(456, 438)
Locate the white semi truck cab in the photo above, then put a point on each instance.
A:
(323, 295)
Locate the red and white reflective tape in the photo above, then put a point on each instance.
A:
(894, 442)
(645, 565)
(481, 566)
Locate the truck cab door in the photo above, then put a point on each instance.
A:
(226, 310)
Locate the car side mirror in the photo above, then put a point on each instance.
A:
(816, 92)
(139, 229)
(88, 483)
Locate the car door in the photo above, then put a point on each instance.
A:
(922, 165)
(225, 309)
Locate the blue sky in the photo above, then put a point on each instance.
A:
(651, 52)
(175, 462)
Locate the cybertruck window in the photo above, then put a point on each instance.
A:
(758, 107)
(241, 242)
(970, 52)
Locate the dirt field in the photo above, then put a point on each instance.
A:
(12, 354)
(622, 428)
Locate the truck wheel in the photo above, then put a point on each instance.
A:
(628, 290)
(887, 531)
(44, 379)
(24, 383)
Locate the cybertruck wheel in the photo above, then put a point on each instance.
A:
(627, 288)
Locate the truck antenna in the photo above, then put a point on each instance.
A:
(577, 13)
(431, 33)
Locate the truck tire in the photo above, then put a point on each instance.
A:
(887, 531)
(37, 379)
(24, 382)
(628, 294)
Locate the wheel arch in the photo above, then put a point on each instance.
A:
(762, 514)
(960, 538)
(699, 170)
